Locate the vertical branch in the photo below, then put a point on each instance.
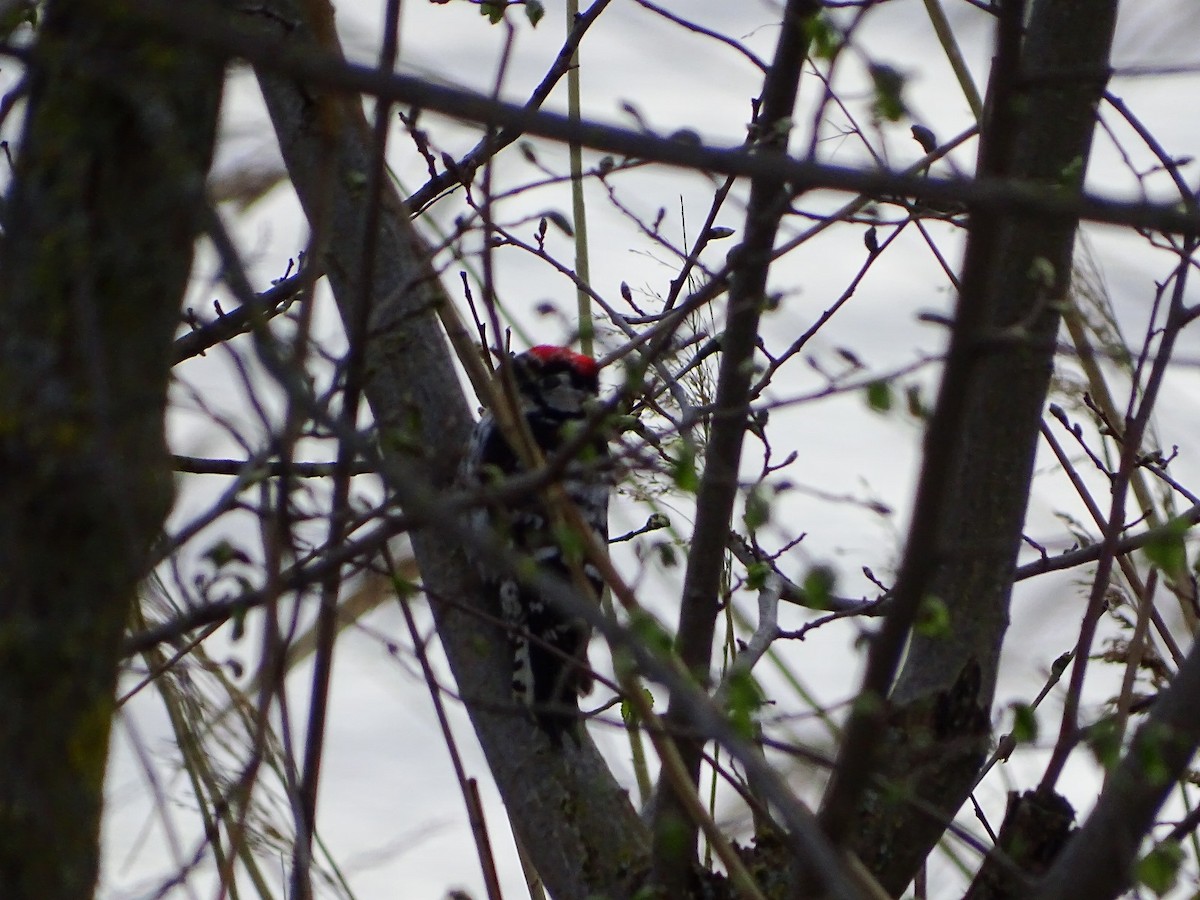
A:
(468, 786)
(929, 735)
(578, 206)
(857, 754)
(1097, 863)
(674, 831)
(355, 372)
(945, 36)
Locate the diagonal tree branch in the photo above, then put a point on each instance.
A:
(494, 142)
(227, 325)
(572, 817)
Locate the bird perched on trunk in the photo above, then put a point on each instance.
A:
(556, 388)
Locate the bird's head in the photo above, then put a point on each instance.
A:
(556, 380)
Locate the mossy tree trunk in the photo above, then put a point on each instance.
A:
(99, 226)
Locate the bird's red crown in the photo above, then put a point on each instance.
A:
(585, 365)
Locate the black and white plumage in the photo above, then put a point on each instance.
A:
(556, 388)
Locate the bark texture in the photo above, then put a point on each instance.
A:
(1098, 861)
(982, 439)
(98, 235)
(1036, 826)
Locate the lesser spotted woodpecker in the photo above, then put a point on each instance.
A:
(550, 668)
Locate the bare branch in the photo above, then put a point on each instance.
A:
(986, 193)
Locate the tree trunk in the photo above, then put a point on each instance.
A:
(99, 228)
(572, 816)
(982, 439)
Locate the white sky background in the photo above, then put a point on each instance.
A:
(390, 810)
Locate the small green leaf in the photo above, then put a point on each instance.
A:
(1166, 549)
(879, 396)
(933, 618)
(1041, 272)
(743, 699)
(756, 575)
(675, 834)
(650, 632)
(889, 87)
(683, 471)
(758, 508)
(629, 712)
(404, 588)
(824, 38)
(818, 586)
(534, 11)
(1025, 723)
(1148, 749)
(493, 9)
(1105, 743)
(1159, 869)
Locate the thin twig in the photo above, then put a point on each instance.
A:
(248, 469)
(469, 788)
(1135, 429)
(760, 642)
(259, 309)
(494, 142)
